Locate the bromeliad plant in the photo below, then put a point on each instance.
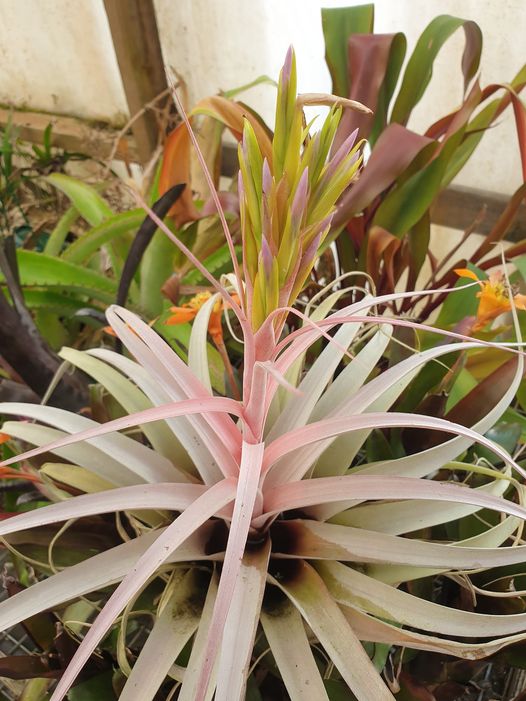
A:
(269, 502)
(383, 223)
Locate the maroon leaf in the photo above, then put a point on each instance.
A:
(369, 63)
(394, 151)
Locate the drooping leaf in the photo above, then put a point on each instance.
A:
(85, 198)
(420, 66)
(81, 250)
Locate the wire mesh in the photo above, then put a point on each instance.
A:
(13, 642)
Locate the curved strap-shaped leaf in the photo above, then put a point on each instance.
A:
(246, 502)
(285, 633)
(85, 198)
(195, 663)
(100, 462)
(40, 270)
(338, 24)
(143, 238)
(88, 243)
(218, 439)
(408, 202)
(241, 625)
(138, 458)
(352, 588)
(309, 594)
(374, 63)
(397, 147)
(327, 541)
(375, 631)
(408, 516)
(132, 399)
(175, 497)
(419, 68)
(486, 117)
(181, 427)
(172, 629)
(92, 574)
(197, 348)
(297, 495)
(187, 523)
(176, 164)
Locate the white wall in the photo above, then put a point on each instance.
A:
(56, 55)
(220, 44)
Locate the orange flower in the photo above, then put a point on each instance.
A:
(189, 310)
(494, 297)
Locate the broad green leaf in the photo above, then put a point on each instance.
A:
(39, 270)
(99, 687)
(88, 243)
(459, 305)
(407, 203)
(52, 301)
(85, 198)
(51, 328)
(156, 268)
(420, 66)
(338, 23)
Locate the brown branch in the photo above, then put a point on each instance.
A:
(32, 359)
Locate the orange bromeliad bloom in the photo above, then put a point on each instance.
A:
(188, 311)
(494, 296)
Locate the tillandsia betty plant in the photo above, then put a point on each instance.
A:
(258, 509)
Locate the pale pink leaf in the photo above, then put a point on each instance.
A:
(247, 490)
(215, 498)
